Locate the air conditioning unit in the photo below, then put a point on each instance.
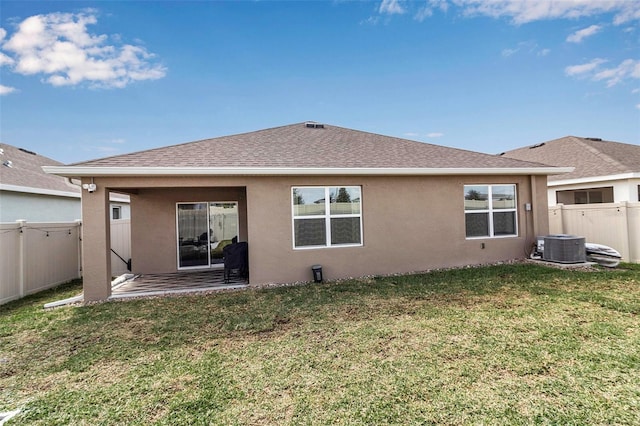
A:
(564, 249)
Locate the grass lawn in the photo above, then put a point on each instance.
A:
(510, 344)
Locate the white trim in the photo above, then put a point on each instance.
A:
(327, 216)
(593, 179)
(209, 264)
(39, 191)
(491, 210)
(121, 198)
(78, 171)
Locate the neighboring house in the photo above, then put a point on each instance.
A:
(28, 193)
(605, 172)
(357, 203)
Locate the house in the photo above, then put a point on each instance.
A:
(605, 171)
(27, 193)
(356, 203)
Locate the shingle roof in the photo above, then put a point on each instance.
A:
(590, 157)
(26, 171)
(300, 146)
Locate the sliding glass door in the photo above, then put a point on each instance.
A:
(204, 229)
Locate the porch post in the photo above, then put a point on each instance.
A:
(96, 244)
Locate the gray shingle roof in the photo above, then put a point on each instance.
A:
(590, 157)
(26, 171)
(299, 146)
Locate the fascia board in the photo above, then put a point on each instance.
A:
(594, 179)
(39, 191)
(80, 171)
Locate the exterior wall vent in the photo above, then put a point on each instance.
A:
(564, 249)
(313, 125)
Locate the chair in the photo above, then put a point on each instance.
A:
(236, 259)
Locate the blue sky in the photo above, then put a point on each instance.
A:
(82, 80)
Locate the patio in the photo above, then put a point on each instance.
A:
(175, 283)
(147, 285)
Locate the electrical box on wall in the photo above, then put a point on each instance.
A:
(527, 207)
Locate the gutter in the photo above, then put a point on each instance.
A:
(40, 191)
(87, 171)
(594, 179)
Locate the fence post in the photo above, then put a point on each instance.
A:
(623, 207)
(22, 257)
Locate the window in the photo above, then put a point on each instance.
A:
(326, 216)
(585, 196)
(116, 213)
(490, 210)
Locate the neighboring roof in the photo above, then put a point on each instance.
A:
(591, 157)
(21, 171)
(303, 148)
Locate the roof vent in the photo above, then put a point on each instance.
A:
(1, 151)
(27, 151)
(594, 139)
(313, 125)
(536, 145)
(8, 163)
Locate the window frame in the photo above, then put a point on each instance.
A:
(491, 210)
(327, 216)
(115, 209)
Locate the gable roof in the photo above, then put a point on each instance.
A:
(591, 157)
(302, 148)
(21, 171)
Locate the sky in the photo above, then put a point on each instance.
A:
(88, 79)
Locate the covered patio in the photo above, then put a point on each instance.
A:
(174, 283)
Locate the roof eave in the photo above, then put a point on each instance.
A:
(39, 191)
(85, 171)
(594, 179)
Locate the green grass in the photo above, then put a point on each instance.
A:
(510, 344)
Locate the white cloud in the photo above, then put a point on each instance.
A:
(627, 69)
(5, 60)
(521, 11)
(426, 11)
(527, 46)
(638, 106)
(391, 7)
(412, 134)
(435, 135)
(580, 35)
(5, 90)
(573, 70)
(60, 47)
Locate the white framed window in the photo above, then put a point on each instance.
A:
(490, 211)
(326, 216)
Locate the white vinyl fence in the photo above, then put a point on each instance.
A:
(37, 256)
(615, 225)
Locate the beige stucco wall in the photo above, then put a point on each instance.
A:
(409, 224)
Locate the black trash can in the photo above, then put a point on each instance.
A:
(317, 273)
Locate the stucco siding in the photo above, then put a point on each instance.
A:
(409, 223)
(153, 223)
